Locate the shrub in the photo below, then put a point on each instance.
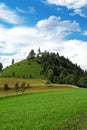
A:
(13, 74)
(48, 82)
(29, 63)
(16, 87)
(28, 86)
(6, 88)
(23, 86)
(30, 76)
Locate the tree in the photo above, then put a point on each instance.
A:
(23, 87)
(83, 82)
(12, 61)
(31, 55)
(39, 52)
(16, 87)
(50, 75)
(13, 74)
(6, 88)
(1, 66)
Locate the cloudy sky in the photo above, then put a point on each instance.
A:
(53, 25)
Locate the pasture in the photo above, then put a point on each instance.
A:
(53, 110)
(36, 85)
(23, 69)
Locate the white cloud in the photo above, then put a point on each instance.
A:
(56, 28)
(49, 34)
(29, 10)
(77, 5)
(85, 33)
(20, 10)
(76, 51)
(8, 15)
(80, 12)
(71, 4)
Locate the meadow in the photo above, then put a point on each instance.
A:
(52, 110)
(36, 85)
(23, 69)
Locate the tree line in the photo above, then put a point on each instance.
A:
(17, 87)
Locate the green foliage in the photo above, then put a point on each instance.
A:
(16, 87)
(55, 110)
(58, 69)
(23, 87)
(1, 66)
(50, 75)
(13, 74)
(13, 61)
(6, 88)
(48, 82)
(28, 86)
(83, 82)
(31, 55)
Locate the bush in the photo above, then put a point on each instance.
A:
(13, 74)
(23, 76)
(48, 82)
(23, 86)
(28, 86)
(30, 76)
(6, 87)
(18, 64)
(16, 87)
(29, 63)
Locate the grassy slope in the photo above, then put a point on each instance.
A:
(35, 85)
(24, 70)
(57, 110)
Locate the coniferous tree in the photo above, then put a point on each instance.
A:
(12, 61)
(31, 55)
(1, 66)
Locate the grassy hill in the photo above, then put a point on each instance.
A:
(57, 69)
(24, 69)
(54, 110)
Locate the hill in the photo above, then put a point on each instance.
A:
(24, 69)
(49, 66)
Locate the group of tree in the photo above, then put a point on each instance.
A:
(17, 87)
(58, 69)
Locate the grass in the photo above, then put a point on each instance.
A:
(23, 69)
(54, 110)
(35, 85)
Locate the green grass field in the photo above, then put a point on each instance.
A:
(54, 110)
(23, 69)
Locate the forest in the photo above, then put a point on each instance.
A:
(58, 69)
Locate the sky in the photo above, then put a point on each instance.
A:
(53, 25)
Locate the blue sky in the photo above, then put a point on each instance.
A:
(52, 25)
